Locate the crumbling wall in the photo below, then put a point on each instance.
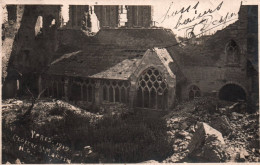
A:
(9, 31)
(107, 15)
(25, 53)
(139, 16)
(206, 65)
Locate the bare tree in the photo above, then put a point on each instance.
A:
(27, 114)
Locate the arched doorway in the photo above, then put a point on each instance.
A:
(232, 92)
(152, 90)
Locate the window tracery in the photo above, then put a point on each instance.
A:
(152, 91)
(115, 90)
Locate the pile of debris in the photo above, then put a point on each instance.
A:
(41, 110)
(211, 130)
(243, 140)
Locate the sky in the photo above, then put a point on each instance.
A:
(166, 14)
(172, 8)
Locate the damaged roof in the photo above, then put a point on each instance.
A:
(165, 59)
(122, 70)
(112, 53)
(103, 63)
(97, 61)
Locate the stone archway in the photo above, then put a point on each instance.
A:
(232, 92)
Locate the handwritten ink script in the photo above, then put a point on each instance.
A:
(42, 144)
(199, 21)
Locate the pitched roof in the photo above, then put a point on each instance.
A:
(68, 55)
(136, 37)
(94, 60)
(110, 51)
(103, 63)
(122, 70)
(165, 58)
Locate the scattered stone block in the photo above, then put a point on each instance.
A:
(207, 145)
(182, 134)
(242, 157)
(184, 126)
(17, 161)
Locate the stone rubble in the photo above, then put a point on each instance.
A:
(238, 129)
(207, 144)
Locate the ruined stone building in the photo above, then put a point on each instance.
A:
(128, 60)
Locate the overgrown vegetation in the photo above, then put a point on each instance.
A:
(133, 139)
(128, 138)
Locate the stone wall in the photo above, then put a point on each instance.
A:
(210, 69)
(9, 33)
(139, 16)
(211, 79)
(107, 16)
(25, 51)
(77, 15)
(204, 65)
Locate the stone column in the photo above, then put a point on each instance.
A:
(39, 84)
(132, 93)
(171, 97)
(98, 92)
(81, 91)
(171, 93)
(66, 89)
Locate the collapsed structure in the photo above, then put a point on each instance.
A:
(129, 60)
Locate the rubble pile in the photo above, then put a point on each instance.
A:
(238, 129)
(12, 107)
(202, 130)
(41, 110)
(243, 140)
(116, 136)
(11, 104)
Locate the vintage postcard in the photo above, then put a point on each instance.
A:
(129, 82)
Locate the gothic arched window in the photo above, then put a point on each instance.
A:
(116, 91)
(194, 92)
(232, 52)
(152, 91)
(88, 89)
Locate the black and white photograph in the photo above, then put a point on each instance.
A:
(129, 81)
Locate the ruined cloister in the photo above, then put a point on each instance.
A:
(138, 66)
(147, 86)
